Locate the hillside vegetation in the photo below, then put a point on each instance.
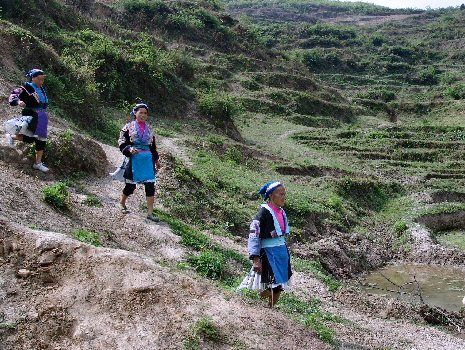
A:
(356, 108)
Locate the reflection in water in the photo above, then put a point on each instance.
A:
(437, 285)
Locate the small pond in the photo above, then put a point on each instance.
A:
(439, 285)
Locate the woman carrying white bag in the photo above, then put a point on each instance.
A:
(137, 143)
(32, 126)
(271, 271)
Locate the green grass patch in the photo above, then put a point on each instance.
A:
(367, 193)
(8, 325)
(317, 270)
(442, 208)
(93, 201)
(403, 242)
(211, 261)
(310, 314)
(57, 196)
(454, 239)
(189, 236)
(88, 237)
(218, 106)
(204, 329)
(400, 226)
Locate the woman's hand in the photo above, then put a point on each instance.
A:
(21, 103)
(257, 265)
(133, 150)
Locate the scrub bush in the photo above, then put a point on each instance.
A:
(57, 196)
(457, 92)
(209, 264)
(218, 106)
(88, 237)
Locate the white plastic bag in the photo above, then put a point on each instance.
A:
(17, 125)
(252, 281)
(119, 172)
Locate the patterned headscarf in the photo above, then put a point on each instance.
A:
(268, 189)
(34, 72)
(137, 106)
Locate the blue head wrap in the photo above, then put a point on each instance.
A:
(34, 72)
(268, 189)
(137, 106)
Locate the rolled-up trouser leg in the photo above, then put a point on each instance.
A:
(40, 145)
(149, 189)
(129, 189)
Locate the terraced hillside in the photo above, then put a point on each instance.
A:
(403, 63)
(356, 108)
(395, 152)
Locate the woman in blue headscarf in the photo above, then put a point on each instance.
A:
(271, 271)
(33, 126)
(137, 142)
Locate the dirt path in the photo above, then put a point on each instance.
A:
(75, 296)
(80, 297)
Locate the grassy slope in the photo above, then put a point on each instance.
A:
(406, 64)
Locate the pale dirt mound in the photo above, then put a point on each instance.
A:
(74, 296)
(70, 153)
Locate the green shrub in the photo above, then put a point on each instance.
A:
(57, 196)
(92, 201)
(378, 40)
(406, 53)
(209, 264)
(457, 92)
(185, 20)
(218, 106)
(366, 193)
(318, 59)
(428, 76)
(88, 237)
(380, 95)
(397, 67)
(216, 140)
(234, 154)
(156, 11)
(206, 328)
(400, 227)
(403, 242)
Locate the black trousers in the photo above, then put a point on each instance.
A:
(40, 145)
(149, 189)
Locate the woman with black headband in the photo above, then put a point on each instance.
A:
(137, 142)
(32, 127)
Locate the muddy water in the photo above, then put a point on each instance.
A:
(438, 285)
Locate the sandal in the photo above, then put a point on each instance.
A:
(124, 209)
(153, 218)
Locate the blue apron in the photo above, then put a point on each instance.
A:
(142, 167)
